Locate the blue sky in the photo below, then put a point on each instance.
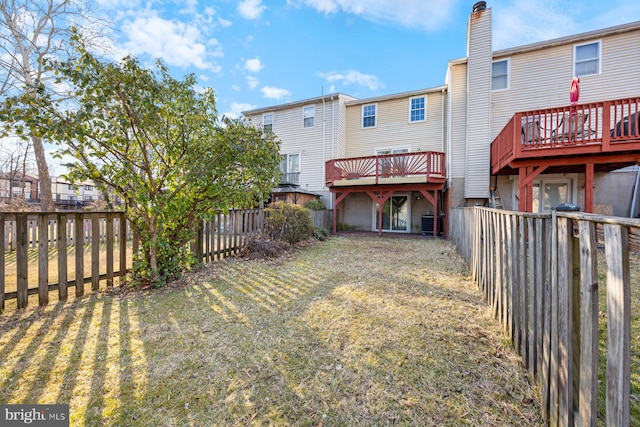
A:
(257, 53)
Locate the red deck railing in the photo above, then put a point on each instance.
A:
(429, 164)
(600, 127)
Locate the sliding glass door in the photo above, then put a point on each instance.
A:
(395, 214)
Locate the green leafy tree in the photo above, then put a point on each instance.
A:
(159, 144)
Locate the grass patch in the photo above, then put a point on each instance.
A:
(351, 331)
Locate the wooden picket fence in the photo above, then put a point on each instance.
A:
(539, 274)
(93, 247)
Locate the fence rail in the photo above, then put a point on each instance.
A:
(539, 274)
(54, 251)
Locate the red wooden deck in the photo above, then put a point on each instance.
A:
(403, 168)
(584, 138)
(381, 176)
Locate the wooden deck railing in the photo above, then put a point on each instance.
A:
(599, 127)
(54, 251)
(539, 274)
(421, 164)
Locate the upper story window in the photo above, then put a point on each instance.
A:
(267, 122)
(88, 187)
(417, 109)
(500, 74)
(369, 116)
(586, 59)
(72, 187)
(309, 113)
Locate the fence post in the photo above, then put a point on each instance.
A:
(109, 242)
(61, 245)
(22, 259)
(95, 252)
(79, 244)
(122, 245)
(2, 268)
(43, 259)
(619, 324)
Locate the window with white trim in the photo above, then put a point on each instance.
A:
(369, 115)
(308, 114)
(290, 168)
(267, 122)
(417, 109)
(586, 59)
(500, 74)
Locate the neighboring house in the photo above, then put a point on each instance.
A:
(544, 152)
(502, 120)
(68, 196)
(19, 185)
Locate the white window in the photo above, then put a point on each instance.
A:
(71, 187)
(369, 115)
(88, 187)
(308, 113)
(267, 122)
(417, 109)
(586, 59)
(290, 168)
(500, 74)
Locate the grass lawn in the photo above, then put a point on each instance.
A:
(352, 331)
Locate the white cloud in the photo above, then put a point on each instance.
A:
(251, 9)
(528, 21)
(177, 43)
(237, 108)
(252, 82)
(423, 14)
(253, 65)
(271, 92)
(353, 77)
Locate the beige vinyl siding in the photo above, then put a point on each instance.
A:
(456, 152)
(476, 184)
(542, 78)
(393, 128)
(296, 139)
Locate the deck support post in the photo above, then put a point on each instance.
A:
(588, 187)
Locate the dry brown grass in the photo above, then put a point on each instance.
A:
(352, 331)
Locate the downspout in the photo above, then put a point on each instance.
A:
(333, 127)
(324, 145)
(444, 126)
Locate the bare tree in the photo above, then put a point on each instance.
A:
(31, 31)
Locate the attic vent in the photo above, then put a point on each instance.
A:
(480, 6)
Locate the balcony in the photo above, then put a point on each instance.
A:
(605, 134)
(404, 168)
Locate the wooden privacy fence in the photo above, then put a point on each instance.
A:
(322, 218)
(50, 252)
(539, 274)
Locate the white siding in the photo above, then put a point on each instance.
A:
(309, 142)
(393, 128)
(479, 106)
(456, 151)
(541, 78)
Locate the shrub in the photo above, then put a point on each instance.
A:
(289, 223)
(315, 204)
(320, 234)
(262, 247)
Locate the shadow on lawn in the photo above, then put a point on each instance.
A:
(247, 342)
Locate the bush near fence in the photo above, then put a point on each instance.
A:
(539, 274)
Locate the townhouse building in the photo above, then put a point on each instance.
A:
(501, 130)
